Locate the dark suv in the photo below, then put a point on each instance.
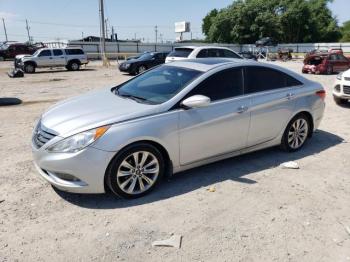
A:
(10, 50)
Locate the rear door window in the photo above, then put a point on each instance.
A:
(222, 85)
(57, 52)
(258, 79)
(214, 52)
(230, 54)
(181, 52)
(203, 53)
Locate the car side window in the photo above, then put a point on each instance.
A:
(258, 79)
(333, 57)
(230, 54)
(45, 53)
(202, 53)
(213, 53)
(341, 57)
(57, 52)
(225, 84)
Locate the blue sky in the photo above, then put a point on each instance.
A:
(67, 19)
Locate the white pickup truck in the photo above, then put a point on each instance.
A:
(71, 58)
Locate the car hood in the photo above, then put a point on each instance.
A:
(22, 56)
(92, 110)
(346, 73)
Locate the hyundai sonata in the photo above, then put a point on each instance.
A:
(174, 117)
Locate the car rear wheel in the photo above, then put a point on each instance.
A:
(141, 69)
(296, 133)
(73, 66)
(135, 171)
(29, 68)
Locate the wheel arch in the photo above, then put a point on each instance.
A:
(31, 62)
(73, 60)
(310, 120)
(168, 163)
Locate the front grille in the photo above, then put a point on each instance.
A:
(41, 136)
(346, 90)
(347, 78)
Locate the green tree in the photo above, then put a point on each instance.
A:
(345, 29)
(245, 21)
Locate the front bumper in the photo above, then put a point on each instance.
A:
(342, 89)
(81, 172)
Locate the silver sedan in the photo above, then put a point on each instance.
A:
(172, 118)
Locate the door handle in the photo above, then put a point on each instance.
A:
(242, 109)
(289, 96)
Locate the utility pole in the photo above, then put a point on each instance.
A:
(103, 34)
(156, 31)
(3, 22)
(106, 25)
(82, 36)
(112, 33)
(27, 27)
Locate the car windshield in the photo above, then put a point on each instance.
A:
(158, 85)
(37, 52)
(4, 46)
(181, 52)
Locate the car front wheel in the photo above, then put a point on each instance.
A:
(29, 68)
(141, 69)
(135, 171)
(296, 133)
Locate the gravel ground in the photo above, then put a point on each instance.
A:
(257, 212)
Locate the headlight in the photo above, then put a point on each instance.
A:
(79, 141)
(339, 76)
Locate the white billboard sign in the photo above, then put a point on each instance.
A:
(182, 27)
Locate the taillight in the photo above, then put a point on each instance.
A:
(321, 94)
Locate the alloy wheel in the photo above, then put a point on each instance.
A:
(138, 172)
(298, 133)
(142, 69)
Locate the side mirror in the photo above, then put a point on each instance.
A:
(196, 101)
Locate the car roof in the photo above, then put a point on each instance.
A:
(206, 64)
(203, 47)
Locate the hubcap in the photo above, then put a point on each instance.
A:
(29, 68)
(142, 69)
(298, 133)
(138, 172)
(74, 66)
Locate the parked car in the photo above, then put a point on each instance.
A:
(248, 55)
(143, 63)
(191, 52)
(266, 41)
(71, 58)
(172, 118)
(341, 90)
(327, 63)
(10, 50)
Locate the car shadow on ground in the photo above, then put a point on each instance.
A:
(345, 105)
(236, 169)
(63, 70)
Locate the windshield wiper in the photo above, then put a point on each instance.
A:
(133, 97)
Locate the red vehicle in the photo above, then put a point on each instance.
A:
(10, 50)
(326, 63)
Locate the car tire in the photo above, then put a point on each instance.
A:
(339, 101)
(141, 69)
(329, 70)
(29, 68)
(135, 171)
(73, 66)
(296, 133)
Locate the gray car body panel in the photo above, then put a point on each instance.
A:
(190, 137)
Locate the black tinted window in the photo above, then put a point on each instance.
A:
(333, 57)
(74, 52)
(57, 52)
(261, 79)
(215, 53)
(230, 54)
(224, 84)
(45, 53)
(181, 52)
(202, 53)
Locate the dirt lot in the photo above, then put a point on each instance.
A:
(258, 212)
